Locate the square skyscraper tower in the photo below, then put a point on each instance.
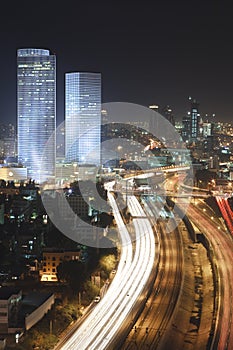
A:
(83, 117)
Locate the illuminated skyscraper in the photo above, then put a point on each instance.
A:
(186, 122)
(83, 117)
(36, 110)
(7, 141)
(194, 119)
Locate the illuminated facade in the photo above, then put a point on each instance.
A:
(36, 111)
(83, 117)
(7, 141)
(52, 258)
(194, 119)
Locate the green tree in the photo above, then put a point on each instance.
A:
(73, 272)
(91, 290)
(108, 262)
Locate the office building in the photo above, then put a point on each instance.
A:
(7, 141)
(194, 119)
(167, 112)
(153, 119)
(207, 129)
(186, 123)
(36, 112)
(83, 117)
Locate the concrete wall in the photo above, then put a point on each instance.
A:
(39, 313)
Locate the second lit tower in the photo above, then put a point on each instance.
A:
(83, 117)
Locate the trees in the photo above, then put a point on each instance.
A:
(107, 263)
(91, 290)
(73, 272)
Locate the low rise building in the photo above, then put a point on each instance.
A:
(34, 306)
(15, 174)
(51, 259)
(10, 302)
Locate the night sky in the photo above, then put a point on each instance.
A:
(147, 51)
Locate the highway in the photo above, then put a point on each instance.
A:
(226, 211)
(222, 245)
(152, 324)
(101, 327)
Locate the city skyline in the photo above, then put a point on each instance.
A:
(146, 55)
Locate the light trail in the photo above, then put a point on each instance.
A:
(226, 212)
(101, 326)
(222, 245)
(139, 274)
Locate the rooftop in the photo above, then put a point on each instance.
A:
(7, 292)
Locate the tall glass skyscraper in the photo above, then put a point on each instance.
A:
(83, 117)
(36, 111)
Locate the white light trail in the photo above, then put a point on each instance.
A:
(100, 327)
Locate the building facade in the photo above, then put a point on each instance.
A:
(186, 126)
(52, 258)
(36, 111)
(10, 300)
(15, 174)
(7, 141)
(83, 117)
(194, 120)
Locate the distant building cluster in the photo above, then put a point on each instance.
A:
(193, 127)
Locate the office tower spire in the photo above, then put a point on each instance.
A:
(36, 111)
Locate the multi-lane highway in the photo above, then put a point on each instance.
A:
(226, 211)
(113, 317)
(152, 324)
(222, 245)
(100, 329)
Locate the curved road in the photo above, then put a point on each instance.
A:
(152, 323)
(100, 328)
(223, 250)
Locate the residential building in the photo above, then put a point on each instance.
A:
(51, 259)
(10, 300)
